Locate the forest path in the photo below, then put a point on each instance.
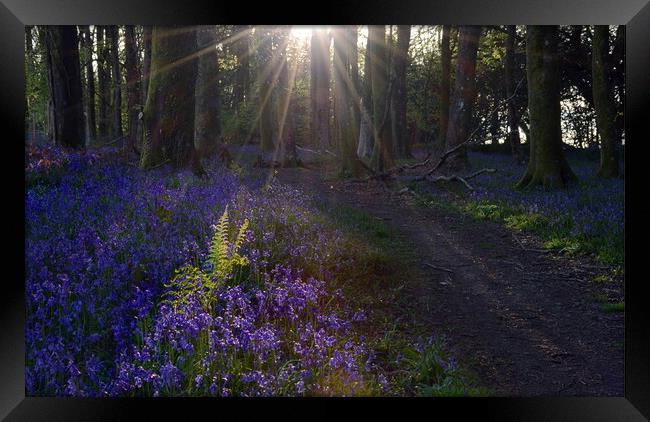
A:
(524, 320)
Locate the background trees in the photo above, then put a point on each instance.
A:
(464, 93)
(64, 76)
(367, 95)
(547, 165)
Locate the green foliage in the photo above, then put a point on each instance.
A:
(224, 254)
(613, 307)
(433, 374)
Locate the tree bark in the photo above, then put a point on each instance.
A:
(464, 96)
(169, 111)
(345, 104)
(604, 103)
(366, 140)
(445, 86)
(87, 43)
(207, 125)
(513, 117)
(319, 88)
(132, 85)
(103, 81)
(547, 165)
(116, 79)
(382, 154)
(398, 102)
(66, 94)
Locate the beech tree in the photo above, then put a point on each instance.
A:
(345, 97)
(445, 85)
(319, 87)
(398, 100)
(87, 43)
(64, 79)
(366, 140)
(604, 103)
(132, 85)
(116, 80)
(169, 111)
(103, 82)
(207, 123)
(382, 154)
(464, 95)
(547, 165)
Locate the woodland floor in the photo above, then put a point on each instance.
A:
(523, 319)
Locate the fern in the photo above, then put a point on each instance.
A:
(224, 261)
(219, 246)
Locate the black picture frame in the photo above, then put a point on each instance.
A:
(15, 14)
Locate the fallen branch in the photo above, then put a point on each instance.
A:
(438, 268)
(451, 178)
(454, 177)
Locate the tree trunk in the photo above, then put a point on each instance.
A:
(344, 98)
(513, 117)
(285, 149)
(319, 87)
(547, 165)
(116, 79)
(398, 102)
(146, 61)
(207, 125)
(87, 43)
(65, 85)
(169, 111)
(266, 74)
(103, 81)
(382, 154)
(132, 85)
(366, 140)
(445, 85)
(604, 103)
(464, 96)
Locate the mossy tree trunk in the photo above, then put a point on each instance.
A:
(320, 87)
(132, 85)
(398, 102)
(64, 75)
(285, 153)
(207, 113)
(345, 98)
(547, 165)
(169, 110)
(513, 116)
(445, 86)
(460, 115)
(87, 43)
(103, 82)
(366, 140)
(604, 103)
(382, 154)
(116, 82)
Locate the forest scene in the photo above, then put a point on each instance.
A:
(344, 210)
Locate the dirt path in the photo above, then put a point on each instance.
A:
(525, 321)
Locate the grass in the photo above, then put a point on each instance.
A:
(613, 307)
(584, 219)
